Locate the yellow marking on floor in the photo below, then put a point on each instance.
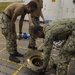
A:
(23, 48)
(39, 41)
(22, 64)
(30, 49)
(73, 58)
(57, 48)
(10, 61)
(54, 54)
(2, 43)
(2, 49)
(18, 69)
(17, 46)
(40, 46)
(68, 67)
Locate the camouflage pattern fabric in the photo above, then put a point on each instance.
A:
(11, 46)
(63, 30)
(32, 41)
(35, 19)
(65, 55)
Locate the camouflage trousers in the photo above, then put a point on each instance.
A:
(32, 41)
(65, 55)
(11, 46)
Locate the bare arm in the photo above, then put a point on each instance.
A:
(21, 23)
(30, 21)
(42, 17)
(20, 26)
(12, 24)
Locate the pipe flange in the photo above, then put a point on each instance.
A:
(34, 60)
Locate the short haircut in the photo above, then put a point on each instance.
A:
(36, 29)
(32, 4)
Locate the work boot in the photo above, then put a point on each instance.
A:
(32, 47)
(17, 54)
(13, 58)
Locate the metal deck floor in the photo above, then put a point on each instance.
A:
(10, 68)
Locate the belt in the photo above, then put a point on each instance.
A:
(7, 15)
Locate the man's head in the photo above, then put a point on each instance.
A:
(31, 7)
(38, 31)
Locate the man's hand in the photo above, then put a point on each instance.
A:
(20, 36)
(44, 22)
(31, 25)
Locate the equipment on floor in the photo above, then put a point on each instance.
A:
(34, 60)
(24, 35)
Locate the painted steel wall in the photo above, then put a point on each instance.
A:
(59, 9)
(51, 9)
(54, 9)
(10, 0)
(68, 9)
